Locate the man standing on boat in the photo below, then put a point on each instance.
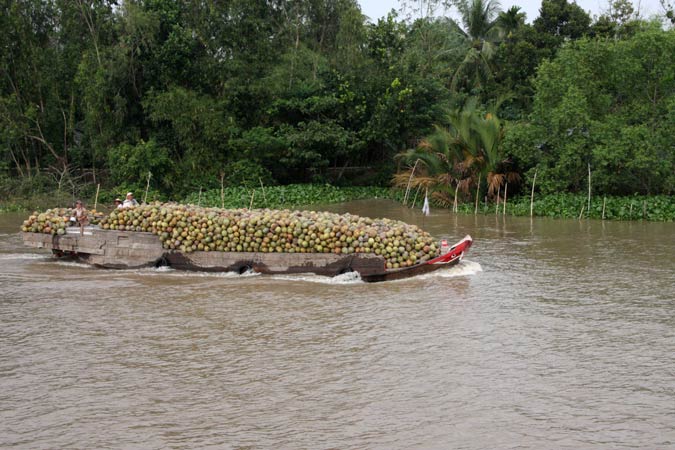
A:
(130, 201)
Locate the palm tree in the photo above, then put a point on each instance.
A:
(459, 156)
(481, 32)
(511, 19)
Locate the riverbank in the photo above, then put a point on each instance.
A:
(565, 206)
(656, 208)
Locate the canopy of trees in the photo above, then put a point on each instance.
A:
(311, 90)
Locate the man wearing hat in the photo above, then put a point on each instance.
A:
(118, 204)
(130, 201)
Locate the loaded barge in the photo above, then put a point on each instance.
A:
(133, 249)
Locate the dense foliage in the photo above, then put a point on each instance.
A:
(289, 196)
(249, 93)
(574, 206)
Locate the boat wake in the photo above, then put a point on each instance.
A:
(464, 268)
(166, 270)
(23, 256)
(345, 278)
(76, 264)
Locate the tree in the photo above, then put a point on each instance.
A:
(481, 33)
(562, 19)
(511, 20)
(602, 103)
(460, 154)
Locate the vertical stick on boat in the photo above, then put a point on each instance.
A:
(147, 186)
(250, 206)
(98, 187)
(199, 199)
(534, 180)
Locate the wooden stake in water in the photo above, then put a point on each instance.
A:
(499, 191)
(506, 188)
(222, 190)
(582, 211)
(604, 202)
(534, 180)
(630, 212)
(475, 211)
(589, 188)
(263, 191)
(454, 204)
(98, 187)
(415, 198)
(147, 186)
(407, 189)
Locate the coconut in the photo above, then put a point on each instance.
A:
(190, 228)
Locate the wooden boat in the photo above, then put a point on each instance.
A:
(132, 249)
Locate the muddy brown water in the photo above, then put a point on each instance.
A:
(551, 334)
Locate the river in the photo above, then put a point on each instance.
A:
(550, 334)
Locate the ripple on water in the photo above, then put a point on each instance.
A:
(529, 343)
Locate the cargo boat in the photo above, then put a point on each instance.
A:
(134, 249)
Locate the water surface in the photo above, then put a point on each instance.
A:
(550, 334)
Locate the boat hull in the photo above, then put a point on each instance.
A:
(131, 250)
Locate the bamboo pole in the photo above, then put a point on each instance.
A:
(415, 198)
(263, 191)
(454, 205)
(582, 211)
(499, 191)
(630, 212)
(475, 211)
(98, 187)
(222, 190)
(250, 206)
(199, 199)
(604, 202)
(147, 186)
(506, 189)
(534, 180)
(407, 189)
(589, 189)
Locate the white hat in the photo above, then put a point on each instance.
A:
(129, 193)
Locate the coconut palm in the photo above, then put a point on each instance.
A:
(481, 33)
(511, 20)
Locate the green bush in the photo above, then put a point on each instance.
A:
(286, 196)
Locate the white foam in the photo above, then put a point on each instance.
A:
(27, 256)
(345, 278)
(79, 265)
(170, 271)
(463, 268)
